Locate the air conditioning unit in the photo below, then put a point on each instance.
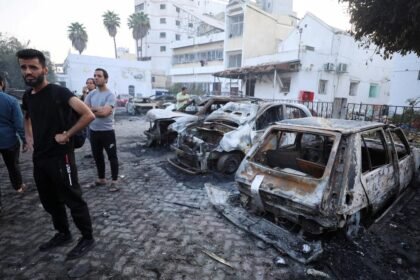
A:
(342, 68)
(329, 67)
(294, 67)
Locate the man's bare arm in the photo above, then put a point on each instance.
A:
(27, 124)
(102, 112)
(86, 116)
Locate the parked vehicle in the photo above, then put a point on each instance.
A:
(122, 99)
(142, 105)
(160, 120)
(327, 174)
(221, 141)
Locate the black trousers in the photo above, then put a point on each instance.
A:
(58, 186)
(104, 140)
(11, 160)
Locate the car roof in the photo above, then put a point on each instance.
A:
(338, 125)
(265, 104)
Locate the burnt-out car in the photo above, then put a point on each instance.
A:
(220, 142)
(160, 120)
(327, 174)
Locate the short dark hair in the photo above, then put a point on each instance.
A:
(91, 79)
(103, 71)
(32, 53)
(2, 81)
(183, 88)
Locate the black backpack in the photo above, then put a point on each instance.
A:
(79, 138)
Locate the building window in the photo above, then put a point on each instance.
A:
(139, 7)
(236, 25)
(177, 23)
(285, 84)
(177, 9)
(373, 91)
(234, 60)
(322, 86)
(162, 49)
(177, 37)
(162, 6)
(353, 88)
(162, 35)
(418, 76)
(153, 79)
(163, 20)
(131, 90)
(190, 25)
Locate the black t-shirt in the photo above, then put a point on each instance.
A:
(43, 110)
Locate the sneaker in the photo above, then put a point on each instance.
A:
(82, 247)
(59, 239)
(113, 187)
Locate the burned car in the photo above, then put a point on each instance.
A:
(221, 141)
(159, 119)
(327, 174)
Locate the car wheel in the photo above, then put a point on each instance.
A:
(353, 226)
(228, 163)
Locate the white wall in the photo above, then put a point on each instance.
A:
(405, 77)
(122, 73)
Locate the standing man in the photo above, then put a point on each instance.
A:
(55, 170)
(102, 135)
(11, 125)
(182, 99)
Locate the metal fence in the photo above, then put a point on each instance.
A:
(406, 117)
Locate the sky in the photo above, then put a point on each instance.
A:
(44, 22)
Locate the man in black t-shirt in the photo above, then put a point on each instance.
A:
(48, 131)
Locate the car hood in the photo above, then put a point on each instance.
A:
(156, 114)
(239, 113)
(181, 123)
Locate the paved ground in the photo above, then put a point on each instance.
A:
(142, 234)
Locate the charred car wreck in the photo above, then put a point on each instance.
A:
(221, 141)
(327, 174)
(160, 119)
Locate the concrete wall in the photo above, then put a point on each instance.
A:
(122, 73)
(405, 79)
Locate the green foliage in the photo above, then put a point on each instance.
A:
(140, 25)
(392, 25)
(9, 65)
(111, 22)
(78, 36)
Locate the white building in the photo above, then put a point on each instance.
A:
(195, 60)
(175, 20)
(125, 76)
(320, 60)
(405, 79)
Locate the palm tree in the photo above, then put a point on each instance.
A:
(140, 24)
(78, 36)
(111, 22)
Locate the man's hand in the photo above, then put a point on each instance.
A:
(26, 147)
(29, 145)
(62, 138)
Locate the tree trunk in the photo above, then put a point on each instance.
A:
(137, 50)
(115, 47)
(141, 47)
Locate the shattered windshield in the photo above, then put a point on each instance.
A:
(299, 153)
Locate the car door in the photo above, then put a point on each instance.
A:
(270, 116)
(403, 156)
(378, 178)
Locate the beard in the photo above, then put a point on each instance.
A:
(33, 82)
